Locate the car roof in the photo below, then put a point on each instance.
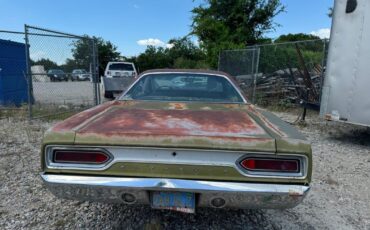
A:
(196, 71)
(119, 62)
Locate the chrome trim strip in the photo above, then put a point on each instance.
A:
(236, 195)
(179, 72)
(191, 157)
(174, 184)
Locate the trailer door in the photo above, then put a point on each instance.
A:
(346, 91)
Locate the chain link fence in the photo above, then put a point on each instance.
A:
(243, 65)
(47, 73)
(282, 73)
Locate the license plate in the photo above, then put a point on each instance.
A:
(178, 201)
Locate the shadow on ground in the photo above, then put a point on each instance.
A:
(132, 217)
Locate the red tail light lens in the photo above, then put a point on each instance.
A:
(80, 157)
(271, 165)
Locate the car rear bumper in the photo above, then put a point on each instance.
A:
(236, 195)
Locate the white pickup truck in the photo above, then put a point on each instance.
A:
(117, 76)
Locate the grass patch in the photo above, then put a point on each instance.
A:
(42, 111)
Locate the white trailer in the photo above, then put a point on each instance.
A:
(346, 89)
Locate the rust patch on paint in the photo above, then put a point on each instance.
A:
(178, 106)
(174, 122)
(178, 141)
(77, 119)
(231, 106)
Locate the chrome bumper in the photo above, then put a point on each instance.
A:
(236, 195)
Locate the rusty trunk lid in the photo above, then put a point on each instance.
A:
(177, 125)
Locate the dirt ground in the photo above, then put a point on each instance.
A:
(339, 198)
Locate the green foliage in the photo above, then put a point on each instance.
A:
(232, 24)
(152, 58)
(82, 54)
(183, 54)
(283, 56)
(47, 63)
(296, 37)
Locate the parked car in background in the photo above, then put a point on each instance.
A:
(57, 75)
(178, 140)
(120, 69)
(80, 75)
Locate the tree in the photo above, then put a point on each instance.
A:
(296, 37)
(232, 24)
(182, 54)
(284, 55)
(82, 53)
(47, 63)
(152, 58)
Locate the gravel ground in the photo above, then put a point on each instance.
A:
(339, 199)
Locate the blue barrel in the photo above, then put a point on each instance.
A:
(13, 83)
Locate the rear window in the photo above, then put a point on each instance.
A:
(184, 87)
(121, 67)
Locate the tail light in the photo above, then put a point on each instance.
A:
(80, 157)
(271, 165)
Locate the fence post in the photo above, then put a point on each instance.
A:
(29, 73)
(93, 72)
(255, 73)
(323, 64)
(219, 60)
(96, 48)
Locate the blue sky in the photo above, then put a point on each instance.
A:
(131, 24)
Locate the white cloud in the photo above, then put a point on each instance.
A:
(169, 45)
(154, 42)
(322, 33)
(37, 55)
(150, 42)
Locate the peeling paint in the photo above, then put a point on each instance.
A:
(174, 122)
(178, 106)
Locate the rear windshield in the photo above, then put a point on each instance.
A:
(184, 87)
(121, 66)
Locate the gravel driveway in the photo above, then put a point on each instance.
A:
(339, 199)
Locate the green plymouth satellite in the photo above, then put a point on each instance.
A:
(178, 140)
